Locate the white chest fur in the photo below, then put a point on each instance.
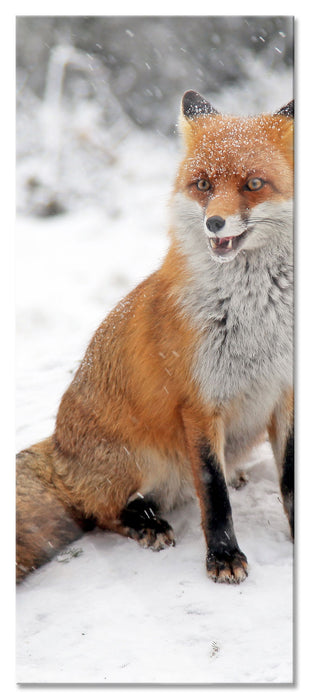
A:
(245, 312)
(246, 340)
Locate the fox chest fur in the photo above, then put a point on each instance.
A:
(243, 359)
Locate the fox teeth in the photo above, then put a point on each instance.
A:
(214, 244)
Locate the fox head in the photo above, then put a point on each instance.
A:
(234, 187)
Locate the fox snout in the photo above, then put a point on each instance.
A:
(225, 235)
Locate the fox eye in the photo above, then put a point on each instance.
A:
(254, 184)
(203, 185)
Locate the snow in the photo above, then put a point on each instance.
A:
(114, 612)
(118, 613)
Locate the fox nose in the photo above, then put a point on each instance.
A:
(215, 223)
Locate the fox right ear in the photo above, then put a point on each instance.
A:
(194, 105)
(287, 110)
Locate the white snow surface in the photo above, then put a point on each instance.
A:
(117, 613)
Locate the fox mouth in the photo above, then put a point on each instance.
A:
(224, 246)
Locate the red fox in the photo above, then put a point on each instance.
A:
(191, 369)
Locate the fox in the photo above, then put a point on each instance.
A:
(191, 370)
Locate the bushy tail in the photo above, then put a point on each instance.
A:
(44, 523)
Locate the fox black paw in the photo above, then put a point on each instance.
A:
(227, 567)
(141, 522)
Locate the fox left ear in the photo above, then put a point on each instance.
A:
(287, 110)
(194, 105)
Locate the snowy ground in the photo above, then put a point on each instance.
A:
(117, 613)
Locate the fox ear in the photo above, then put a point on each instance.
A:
(287, 110)
(287, 128)
(194, 105)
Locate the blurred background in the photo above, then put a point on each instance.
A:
(84, 84)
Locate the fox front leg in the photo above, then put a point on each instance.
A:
(287, 480)
(225, 561)
(281, 434)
